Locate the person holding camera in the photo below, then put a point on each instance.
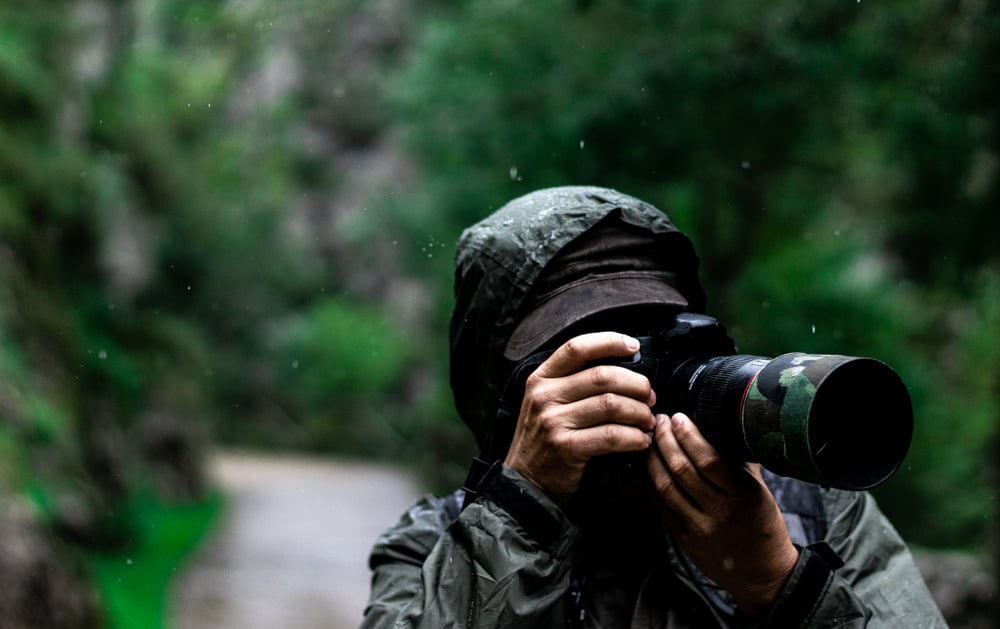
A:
(588, 509)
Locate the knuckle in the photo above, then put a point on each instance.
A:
(538, 392)
(535, 385)
(680, 467)
(713, 464)
(574, 347)
(664, 485)
(600, 375)
(537, 415)
(561, 441)
(609, 404)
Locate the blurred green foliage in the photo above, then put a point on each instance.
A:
(244, 214)
(340, 362)
(835, 163)
(134, 583)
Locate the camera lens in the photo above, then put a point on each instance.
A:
(860, 424)
(840, 421)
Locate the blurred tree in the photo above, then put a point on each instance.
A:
(166, 177)
(169, 193)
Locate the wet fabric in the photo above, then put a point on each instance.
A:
(481, 567)
(499, 260)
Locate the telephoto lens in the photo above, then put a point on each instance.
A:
(838, 421)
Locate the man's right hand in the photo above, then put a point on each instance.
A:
(572, 412)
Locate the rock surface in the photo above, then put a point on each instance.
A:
(962, 586)
(39, 585)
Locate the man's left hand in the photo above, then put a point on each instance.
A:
(722, 515)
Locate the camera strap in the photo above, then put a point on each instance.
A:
(501, 431)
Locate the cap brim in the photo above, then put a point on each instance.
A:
(583, 298)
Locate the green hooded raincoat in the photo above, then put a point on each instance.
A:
(512, 558)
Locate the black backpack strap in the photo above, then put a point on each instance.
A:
(801, 504)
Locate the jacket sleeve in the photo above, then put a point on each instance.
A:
(503, 562)
(863, 575)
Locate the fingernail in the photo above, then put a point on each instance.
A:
(631, 344)
(652, 397)
(677, 420)
(660, 419)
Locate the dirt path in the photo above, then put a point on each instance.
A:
(292, 549)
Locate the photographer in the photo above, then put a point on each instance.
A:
(596, 512)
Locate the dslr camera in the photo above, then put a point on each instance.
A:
(837, 421)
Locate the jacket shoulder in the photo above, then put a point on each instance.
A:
(412, 538)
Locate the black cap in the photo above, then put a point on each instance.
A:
(611, 266)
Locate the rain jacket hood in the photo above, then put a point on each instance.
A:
(499, 260)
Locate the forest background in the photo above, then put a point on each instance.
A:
(233, 223)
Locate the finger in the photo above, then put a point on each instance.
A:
(676, 504)
(609, 408)
(587, 443)
(727, 477)
(681, 471)
(601, 379)
(574, 354)
(601, 394)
